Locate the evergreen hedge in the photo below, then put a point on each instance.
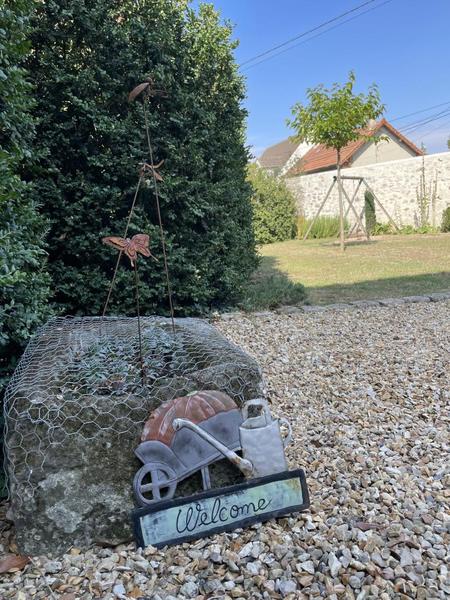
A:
(369, 212)
(87, 56)
(23, 280)
(445, 225)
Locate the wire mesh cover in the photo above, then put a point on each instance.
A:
(75, 410)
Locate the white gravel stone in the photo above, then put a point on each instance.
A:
(367, 393)
(334, 564)
(308, 567)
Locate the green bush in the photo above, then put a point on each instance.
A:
(87, 57)
(23, 281)
(388, 229)
(445, 225)
(383, 229)
(324, 227)
(271, 290)
(369, 212)
(274, 210)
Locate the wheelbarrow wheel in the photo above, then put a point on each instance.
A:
(154, 482)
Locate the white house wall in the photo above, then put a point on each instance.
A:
(395, 183)
(300, 151)
(387, 149)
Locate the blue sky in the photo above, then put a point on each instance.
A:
(402, 45)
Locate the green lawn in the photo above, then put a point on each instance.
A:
(387, 266)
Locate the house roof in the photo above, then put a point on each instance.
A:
(277, 155)
(320, 157)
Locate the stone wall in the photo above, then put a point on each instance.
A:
(395, 183)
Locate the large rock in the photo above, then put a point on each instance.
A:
(75, 411)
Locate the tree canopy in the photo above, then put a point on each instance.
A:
(336, 116)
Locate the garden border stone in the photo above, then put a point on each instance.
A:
(308, 308)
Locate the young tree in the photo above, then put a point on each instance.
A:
(335, 117)
(87, 57)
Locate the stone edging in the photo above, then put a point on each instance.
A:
(291, 310)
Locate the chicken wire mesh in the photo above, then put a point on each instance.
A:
(77, 397)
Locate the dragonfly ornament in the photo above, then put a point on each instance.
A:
(148, 169)
(147, 89)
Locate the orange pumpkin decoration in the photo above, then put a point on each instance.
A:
(196, 407)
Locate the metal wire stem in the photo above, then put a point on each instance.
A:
(163, 239)
(121, 252)
(141, 357)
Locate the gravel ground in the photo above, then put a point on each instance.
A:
(367, 392)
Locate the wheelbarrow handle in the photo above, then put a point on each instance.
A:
(243, 464)
(287, 440)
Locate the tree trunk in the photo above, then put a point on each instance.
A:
(341, 204)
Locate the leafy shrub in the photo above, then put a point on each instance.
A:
(274, 210)
(87, 57)
(23, 281)
(425, 229)
(324, 227)
(383, 229)
(388, 229)
(369, 211)
(445, 225)
(271, 290)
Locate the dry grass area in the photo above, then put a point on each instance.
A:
(387, 266)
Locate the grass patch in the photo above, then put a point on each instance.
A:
(387, 266)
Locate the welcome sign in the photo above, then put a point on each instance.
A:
(183, 519)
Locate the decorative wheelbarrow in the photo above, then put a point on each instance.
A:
(188, 434)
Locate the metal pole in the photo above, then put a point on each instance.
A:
(161, 229)
(120, 253)
(141, 357)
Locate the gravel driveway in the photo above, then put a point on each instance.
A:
(367, 392)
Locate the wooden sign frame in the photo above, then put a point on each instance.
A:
(289, 486)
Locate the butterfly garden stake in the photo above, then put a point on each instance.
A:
(138, 244)
(148, 90)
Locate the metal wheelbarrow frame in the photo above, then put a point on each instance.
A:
(166, 465)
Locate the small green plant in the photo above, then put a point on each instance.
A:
(274, 210)
(382, 229)
(426, 196)
(113, 368)
(323, 227)
(445, 225)
(388, 229)
(270, 290)
(369, 211)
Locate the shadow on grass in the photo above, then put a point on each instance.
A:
(390, 287)
(274, 288)
(350, 243)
